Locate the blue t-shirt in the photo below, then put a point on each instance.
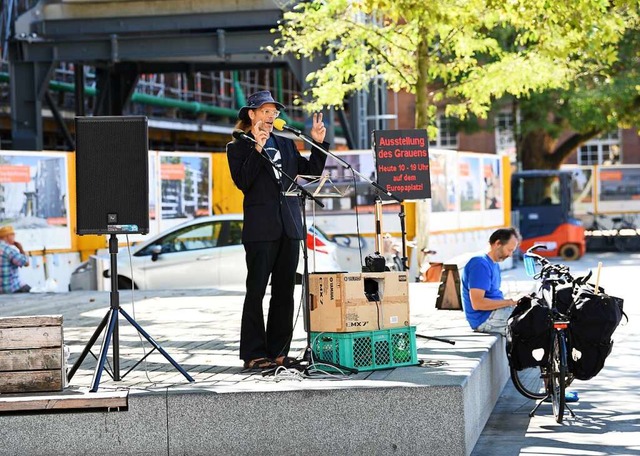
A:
(483, 273)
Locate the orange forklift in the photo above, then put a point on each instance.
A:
(543, 202)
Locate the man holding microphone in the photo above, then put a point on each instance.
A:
(272, 228)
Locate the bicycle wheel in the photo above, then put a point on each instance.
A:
(558, 376)
(529, 382)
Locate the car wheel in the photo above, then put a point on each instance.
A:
(124, 283)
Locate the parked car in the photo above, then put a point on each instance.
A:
(201, 253)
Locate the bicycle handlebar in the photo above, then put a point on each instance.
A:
(549, 272)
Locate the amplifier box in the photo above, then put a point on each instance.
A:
(359, 301)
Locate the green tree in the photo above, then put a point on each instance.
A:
(469, 55)
(596, 103)
(465, 55)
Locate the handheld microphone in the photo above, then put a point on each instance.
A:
(281, 125)
(239, 134)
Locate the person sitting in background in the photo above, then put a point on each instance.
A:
(485, 308)
(12, 257)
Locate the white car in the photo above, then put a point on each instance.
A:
(204, 252)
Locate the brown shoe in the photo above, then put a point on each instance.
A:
(259, 364)
(285, 361)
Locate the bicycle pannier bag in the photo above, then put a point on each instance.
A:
(528, 333)
(593, 319)
(564, 297)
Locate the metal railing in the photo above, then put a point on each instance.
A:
(176, 95)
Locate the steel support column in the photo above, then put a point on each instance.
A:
(123, 80)
(115, 86)
(301, 68)
(79, 95)
(29, 81)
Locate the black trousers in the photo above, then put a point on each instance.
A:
(279, 260)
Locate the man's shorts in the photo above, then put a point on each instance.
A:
(497, 321)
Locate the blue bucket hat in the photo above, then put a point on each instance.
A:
(255, 101)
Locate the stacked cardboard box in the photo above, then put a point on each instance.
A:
(367, 301)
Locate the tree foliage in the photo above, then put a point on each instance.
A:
(595, 103)
(466, 54)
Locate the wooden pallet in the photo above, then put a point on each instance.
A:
(70, 399)
(31, 354)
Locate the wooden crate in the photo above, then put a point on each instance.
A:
(359, 301)
(31, 354)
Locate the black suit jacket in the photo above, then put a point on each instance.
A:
(267, 213)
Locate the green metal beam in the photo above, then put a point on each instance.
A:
(152, 100)
(240, 98)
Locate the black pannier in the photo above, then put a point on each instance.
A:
(564, 297)
(528, 333)
(593, 319)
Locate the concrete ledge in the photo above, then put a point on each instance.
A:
(406, 413)
(438, 408)
(141, 431)
(482, 390)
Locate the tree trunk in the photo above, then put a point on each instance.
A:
(539, 150)
(534, 150)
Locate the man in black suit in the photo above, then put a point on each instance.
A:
(272, 228)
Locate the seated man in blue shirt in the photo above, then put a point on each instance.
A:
(484, 304)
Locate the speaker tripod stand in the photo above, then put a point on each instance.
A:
(110, 321)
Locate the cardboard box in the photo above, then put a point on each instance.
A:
(359, 301)
(31, 354)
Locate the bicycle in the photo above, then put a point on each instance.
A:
(549, 379)
(619, 231)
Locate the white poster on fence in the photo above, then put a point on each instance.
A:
(34, 199)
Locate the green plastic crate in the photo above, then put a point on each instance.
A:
(367, 350)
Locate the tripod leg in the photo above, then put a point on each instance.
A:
(155, 345)
(88, 347)
(104, 350)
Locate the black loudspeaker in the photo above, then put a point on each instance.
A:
(112, 175)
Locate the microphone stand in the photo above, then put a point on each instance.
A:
(303, 193)
(379, 187)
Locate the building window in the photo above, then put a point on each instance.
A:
(505, 134)
(447, 133)
(604, 150)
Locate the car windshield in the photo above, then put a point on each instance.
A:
(195, 237)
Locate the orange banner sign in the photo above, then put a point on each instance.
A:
(11, 174)
(611, 175)
(172, 171)
(465, 169)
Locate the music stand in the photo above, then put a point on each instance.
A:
(112, 331)
(320, 182)
(374, 184)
